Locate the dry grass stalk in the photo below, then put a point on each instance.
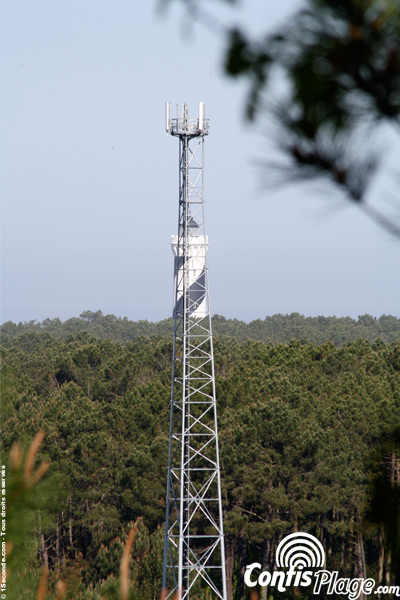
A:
(61, 588)
(37, 476)
(124, 569)
(41, 592)
(164, 594)
(31, 454)
(15, 457)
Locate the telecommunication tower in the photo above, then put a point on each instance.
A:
(194, 553)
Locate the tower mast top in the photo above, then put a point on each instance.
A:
(182, 125)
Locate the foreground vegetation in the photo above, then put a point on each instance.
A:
(309, 441)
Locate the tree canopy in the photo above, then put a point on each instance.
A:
(307, 440)
(274, 328)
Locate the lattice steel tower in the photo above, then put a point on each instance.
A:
(194, 554)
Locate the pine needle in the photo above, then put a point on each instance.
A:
(31, 454)
(124, 568)
(61, 588)
(37, 476)
(15, 457)
(164, 594)
(41, 592)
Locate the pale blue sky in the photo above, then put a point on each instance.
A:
(89, 176)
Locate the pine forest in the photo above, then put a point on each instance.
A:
(309, 429)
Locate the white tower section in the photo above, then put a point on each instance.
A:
(197, 245)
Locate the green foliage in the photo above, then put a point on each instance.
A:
(341, 65)
(31, 505)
